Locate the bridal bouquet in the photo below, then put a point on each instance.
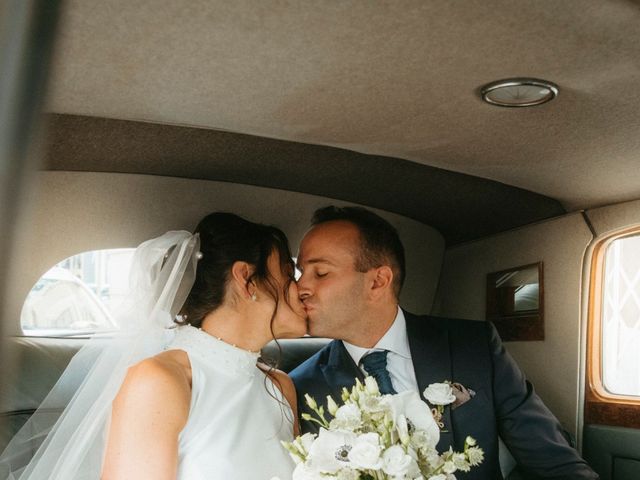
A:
(375, 437)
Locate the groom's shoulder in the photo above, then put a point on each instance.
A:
(311, 365)
(456, 327)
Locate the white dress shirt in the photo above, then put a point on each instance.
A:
(399, 363)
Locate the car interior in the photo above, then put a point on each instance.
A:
(501, 139)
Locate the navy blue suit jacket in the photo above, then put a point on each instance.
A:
(470, 353)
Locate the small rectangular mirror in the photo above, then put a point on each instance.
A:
(515, 301)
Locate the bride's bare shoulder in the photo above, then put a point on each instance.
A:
(159, 381)
(171, 365)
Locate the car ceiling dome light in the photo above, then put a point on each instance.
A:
(519, 92)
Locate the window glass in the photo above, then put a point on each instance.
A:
(296, 273)
(621, 317)
(78, 295)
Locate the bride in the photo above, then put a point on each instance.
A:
(180, 392)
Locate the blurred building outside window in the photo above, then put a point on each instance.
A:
(78, 295)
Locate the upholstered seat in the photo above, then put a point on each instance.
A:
(41, 361)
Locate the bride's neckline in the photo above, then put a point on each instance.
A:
(256, 352)
(215, 351)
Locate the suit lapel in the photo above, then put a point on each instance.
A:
(340, 370)
(431, 359)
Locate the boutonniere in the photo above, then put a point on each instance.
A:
(439, 395)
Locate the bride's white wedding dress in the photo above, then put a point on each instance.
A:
(235, 424)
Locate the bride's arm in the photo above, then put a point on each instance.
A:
(288, 389)
(147, 415)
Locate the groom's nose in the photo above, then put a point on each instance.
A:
(303, 293)
(303, 289)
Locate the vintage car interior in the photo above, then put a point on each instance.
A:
(500, 137)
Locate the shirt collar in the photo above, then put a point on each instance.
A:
(395, 340)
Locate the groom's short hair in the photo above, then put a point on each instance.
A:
(379, 240)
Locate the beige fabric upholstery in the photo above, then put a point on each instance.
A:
(40, 362)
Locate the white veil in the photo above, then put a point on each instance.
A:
(70, 443)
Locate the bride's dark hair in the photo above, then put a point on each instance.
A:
(226, 238)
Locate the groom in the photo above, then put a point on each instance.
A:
(352, 264)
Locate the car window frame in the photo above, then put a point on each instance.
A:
(601, 406)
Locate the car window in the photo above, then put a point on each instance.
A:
(78, 295)
(621, 317)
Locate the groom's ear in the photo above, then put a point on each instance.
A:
(381, 281)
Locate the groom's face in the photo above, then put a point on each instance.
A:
(331, 289)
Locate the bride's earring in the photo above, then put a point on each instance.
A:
(254, 297)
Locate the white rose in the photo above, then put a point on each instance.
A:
(366, 452)
(396, 462)
(348, 417)
(439, 394)
(350, 411)
(440, 476)
(414, 469)
(372, 405)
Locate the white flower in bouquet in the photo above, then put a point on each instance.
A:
(330, 451)
(300, 447)
(476, 456)
(365, 453)
(371, 386)
(378, 437)
(397, 463)
(372, 405)
(348, 417)
(408, 405)
(347, 474)
(306, 472)
(423, 440)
